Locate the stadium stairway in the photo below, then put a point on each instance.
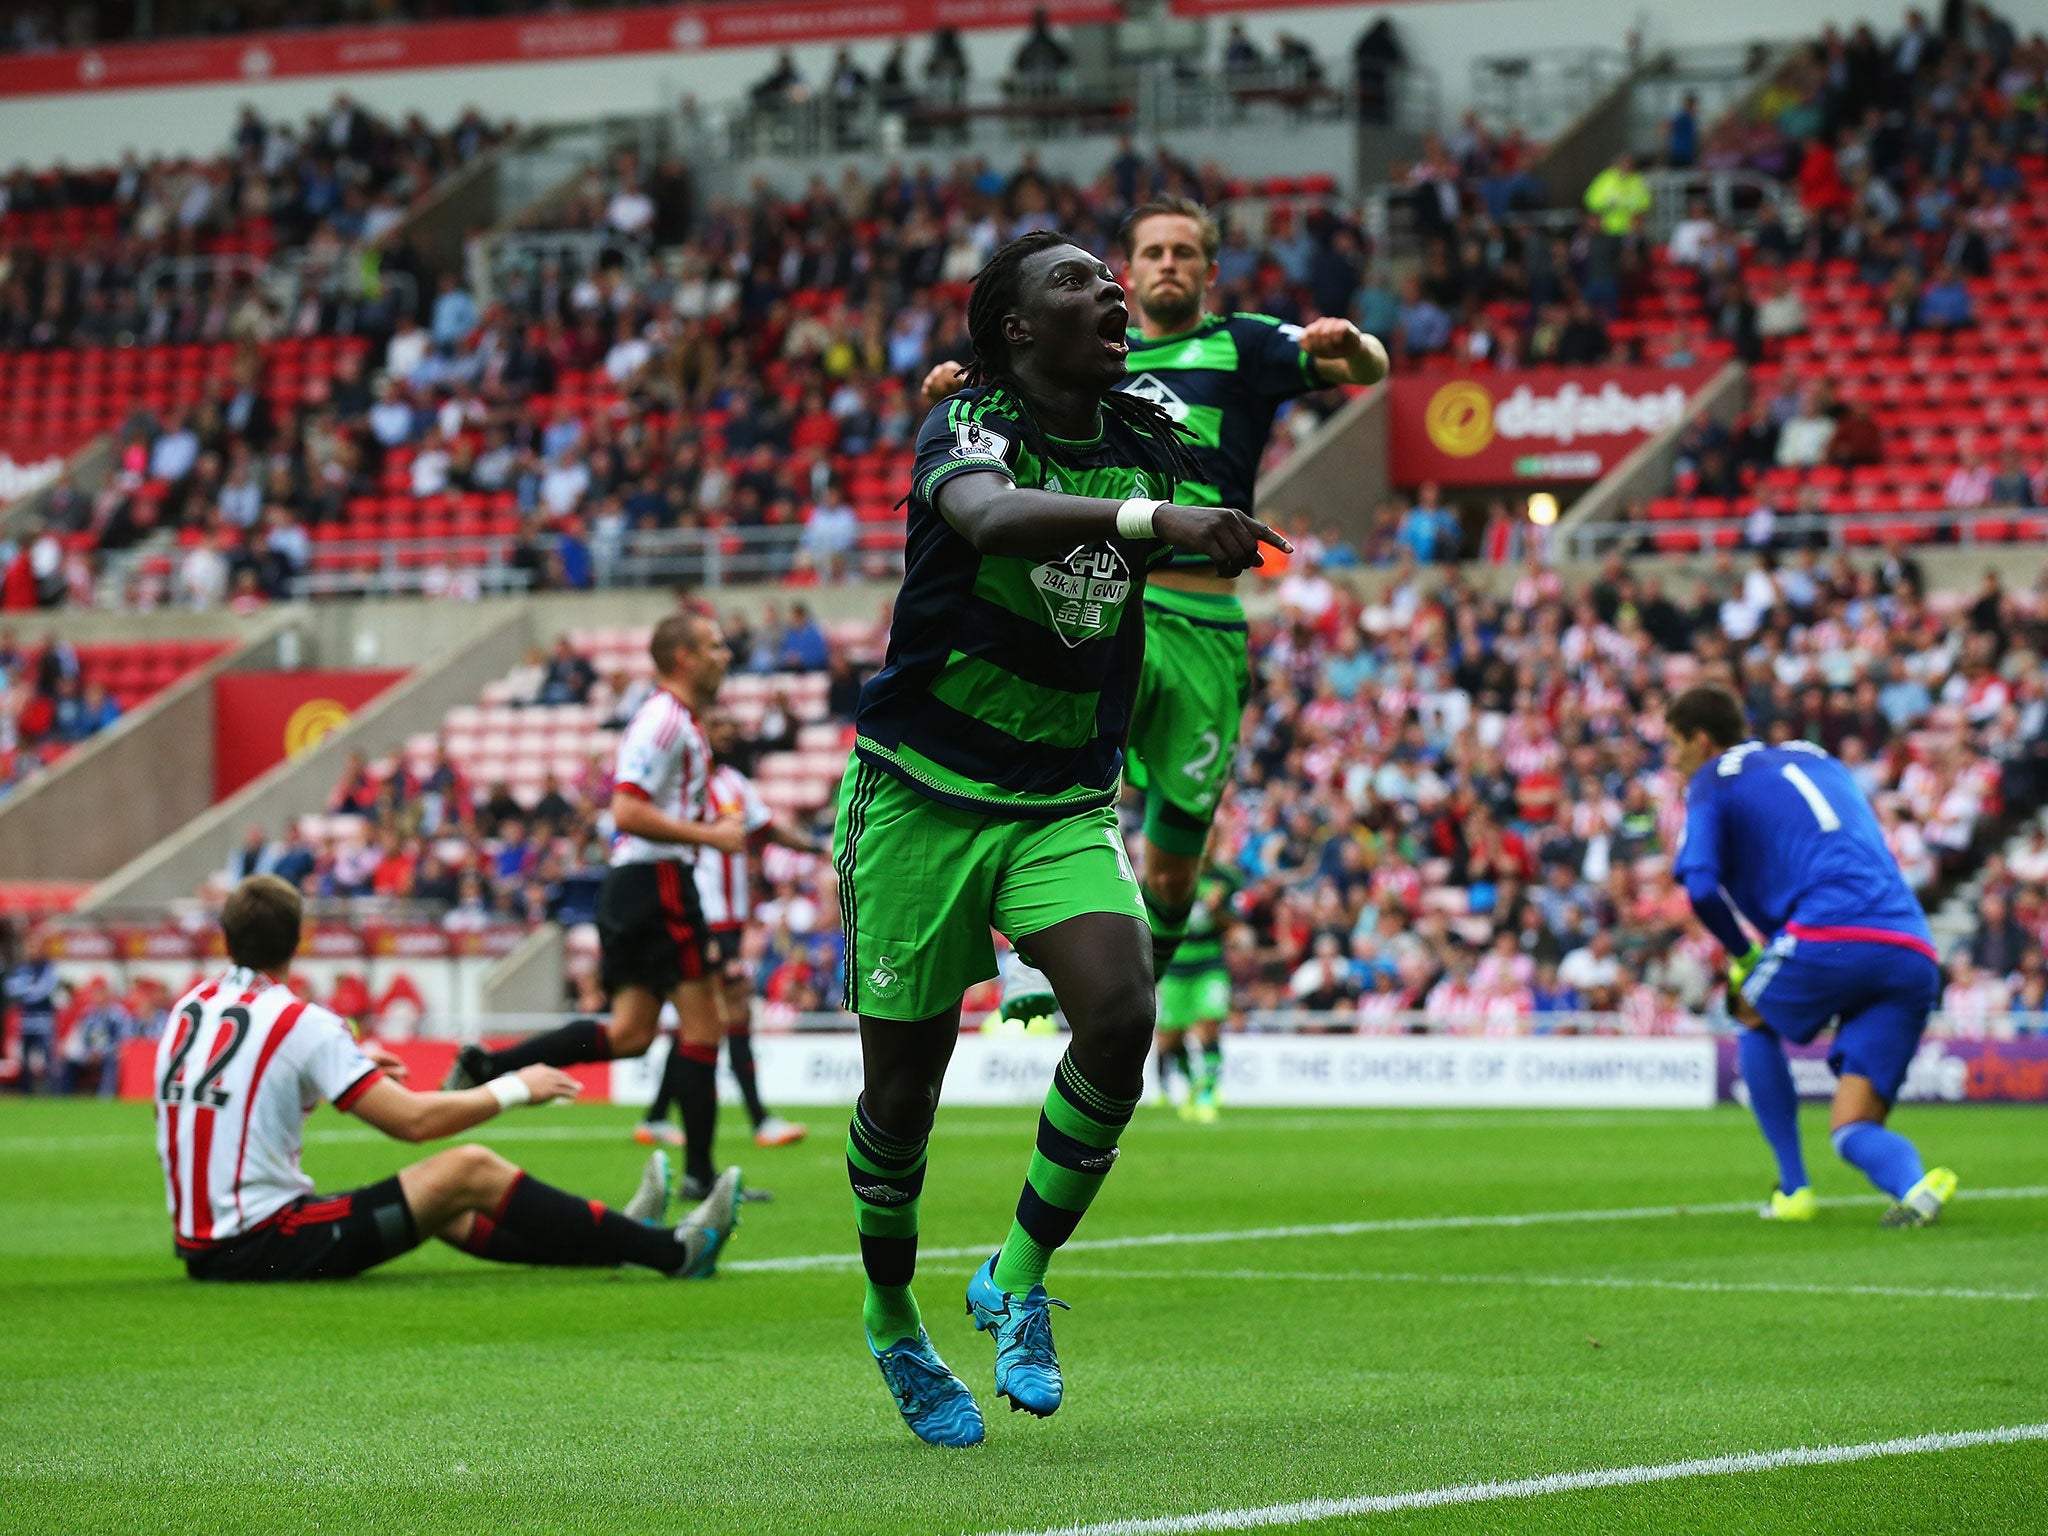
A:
(112, 797)
(173, 868)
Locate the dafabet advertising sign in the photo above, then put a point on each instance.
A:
(262, 718)
(1539, 425)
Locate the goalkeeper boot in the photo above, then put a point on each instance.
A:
(1027, 1370)
(1921, 1205)
(1797, 1206)
(933, 1401)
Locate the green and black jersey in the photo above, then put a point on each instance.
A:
(1223, 381)
(1202, 950)
(1008, 683)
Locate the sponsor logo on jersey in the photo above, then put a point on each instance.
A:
(1083, 592)
(1149, 386)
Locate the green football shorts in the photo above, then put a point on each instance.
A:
(1200, 998)
(921, 882)
(1191, 696)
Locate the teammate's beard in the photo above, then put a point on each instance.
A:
(1175, 311)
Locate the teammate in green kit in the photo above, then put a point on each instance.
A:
(988, 754)
(1194, 996)
(1222, 378)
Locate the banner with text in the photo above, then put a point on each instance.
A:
(265, 56)
(262, 718)
(1538, 425)
(1943, 1072)
(1309, 1070)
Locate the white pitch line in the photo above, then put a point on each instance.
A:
(1589, 1282)
(1359, 1228)
(1308, 1511)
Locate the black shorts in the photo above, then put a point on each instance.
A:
(316, 1237)
(650, 928)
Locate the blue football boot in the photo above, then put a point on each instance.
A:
(933, 1401)
(1027, 1370)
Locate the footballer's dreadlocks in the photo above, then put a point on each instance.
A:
(994, 295)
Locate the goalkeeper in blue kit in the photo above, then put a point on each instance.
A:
(1782, 838)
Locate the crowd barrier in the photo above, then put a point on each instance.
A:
(819, 1068)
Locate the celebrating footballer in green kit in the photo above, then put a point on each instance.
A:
(987, 759)
(1222, 378)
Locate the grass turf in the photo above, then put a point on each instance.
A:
(442, 1394)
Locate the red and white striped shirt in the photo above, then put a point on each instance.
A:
(722, 877)
(241, 1063)
(663, 759)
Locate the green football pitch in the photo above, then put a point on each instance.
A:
(1288, 1307)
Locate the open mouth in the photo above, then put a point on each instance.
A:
(1114, 329)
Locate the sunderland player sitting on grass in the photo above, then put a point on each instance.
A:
(243, 1061)
(653, 943)
(725, 891)
(1781, 838)
(983, 790)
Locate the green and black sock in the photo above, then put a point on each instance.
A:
(887, 1175)
(1175, 1058)
(1077, 1134)
(1209, 1071)
(1169, 927)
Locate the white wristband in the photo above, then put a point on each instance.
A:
(510, 1090)
(1134, 518)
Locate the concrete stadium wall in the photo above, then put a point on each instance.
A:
(176, 867)
(529, 980)
(115, 797)
(1338, 476)
(1443, 36)
(1647, 471)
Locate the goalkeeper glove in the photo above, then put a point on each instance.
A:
(1738, 972)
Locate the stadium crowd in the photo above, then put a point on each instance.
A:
(750, 379)
(335, 186)
(47, 705)
(1916, 164)
(1447, 801)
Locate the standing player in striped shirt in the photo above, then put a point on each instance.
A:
(653, 942)
(988, 755)
(725, 891)
(243, 1061)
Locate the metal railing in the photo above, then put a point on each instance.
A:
(1732, 196)
(467, 565)
(701, 557)
(1147, 99)
(499, 260)
(288, 277)
(1542, 92)
(1720, 75)
(1831, 530)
